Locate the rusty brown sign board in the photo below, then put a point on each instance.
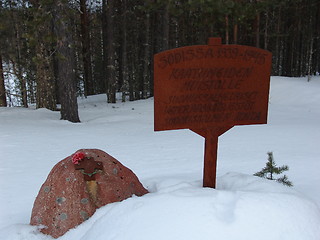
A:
(209, 89)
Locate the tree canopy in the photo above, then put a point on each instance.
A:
(109, 45)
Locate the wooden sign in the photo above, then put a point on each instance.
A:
(209, 89)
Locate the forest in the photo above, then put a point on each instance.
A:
(53, 51)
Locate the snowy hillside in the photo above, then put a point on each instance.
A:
(169, 164)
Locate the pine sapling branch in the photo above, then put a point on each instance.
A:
(271, 169)
(284, 180)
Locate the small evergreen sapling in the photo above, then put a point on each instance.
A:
(271, 169)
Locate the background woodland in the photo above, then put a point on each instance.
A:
(52, 51)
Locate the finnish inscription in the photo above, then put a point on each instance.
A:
(210, 73)
(226, 96)
(200, 52)
(202, 86)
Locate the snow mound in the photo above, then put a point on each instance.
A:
(170, 165)
(243, 207)
(22, 232)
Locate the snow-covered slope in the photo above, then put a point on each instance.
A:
(169, 164)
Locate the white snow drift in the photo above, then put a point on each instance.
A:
(169, 164)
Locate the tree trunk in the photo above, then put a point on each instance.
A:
(86, 49)
(66, 64)
(235, 33)
(44, 76)
(166, 28)
(131, 81)
(45, 97)
(278, 52)
(146, 58)
(104, 44)
(257, 30)
(18, 63)
(3, 99)
(110, 52)
(124, 56)
(227, 28)
(310, 60)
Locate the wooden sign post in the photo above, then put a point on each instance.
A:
(209, 89)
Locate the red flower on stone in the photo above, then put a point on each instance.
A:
(77, 157)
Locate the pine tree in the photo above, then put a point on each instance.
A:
(86, 49)
(65, 62)
(271, 169)
(109, 13)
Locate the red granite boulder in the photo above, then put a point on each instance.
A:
(77, 186)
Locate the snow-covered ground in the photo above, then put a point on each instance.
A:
(169, 164)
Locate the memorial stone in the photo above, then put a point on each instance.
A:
(77, 186)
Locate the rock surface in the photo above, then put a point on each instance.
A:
(69, 196)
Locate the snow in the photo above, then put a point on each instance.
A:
(169, 164)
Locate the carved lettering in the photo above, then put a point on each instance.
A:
(210, 73)
(248, 116)
(212, 107)
(231, 52)
(211, 85)
(182, 56)
(220, 97)
(191, 119)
